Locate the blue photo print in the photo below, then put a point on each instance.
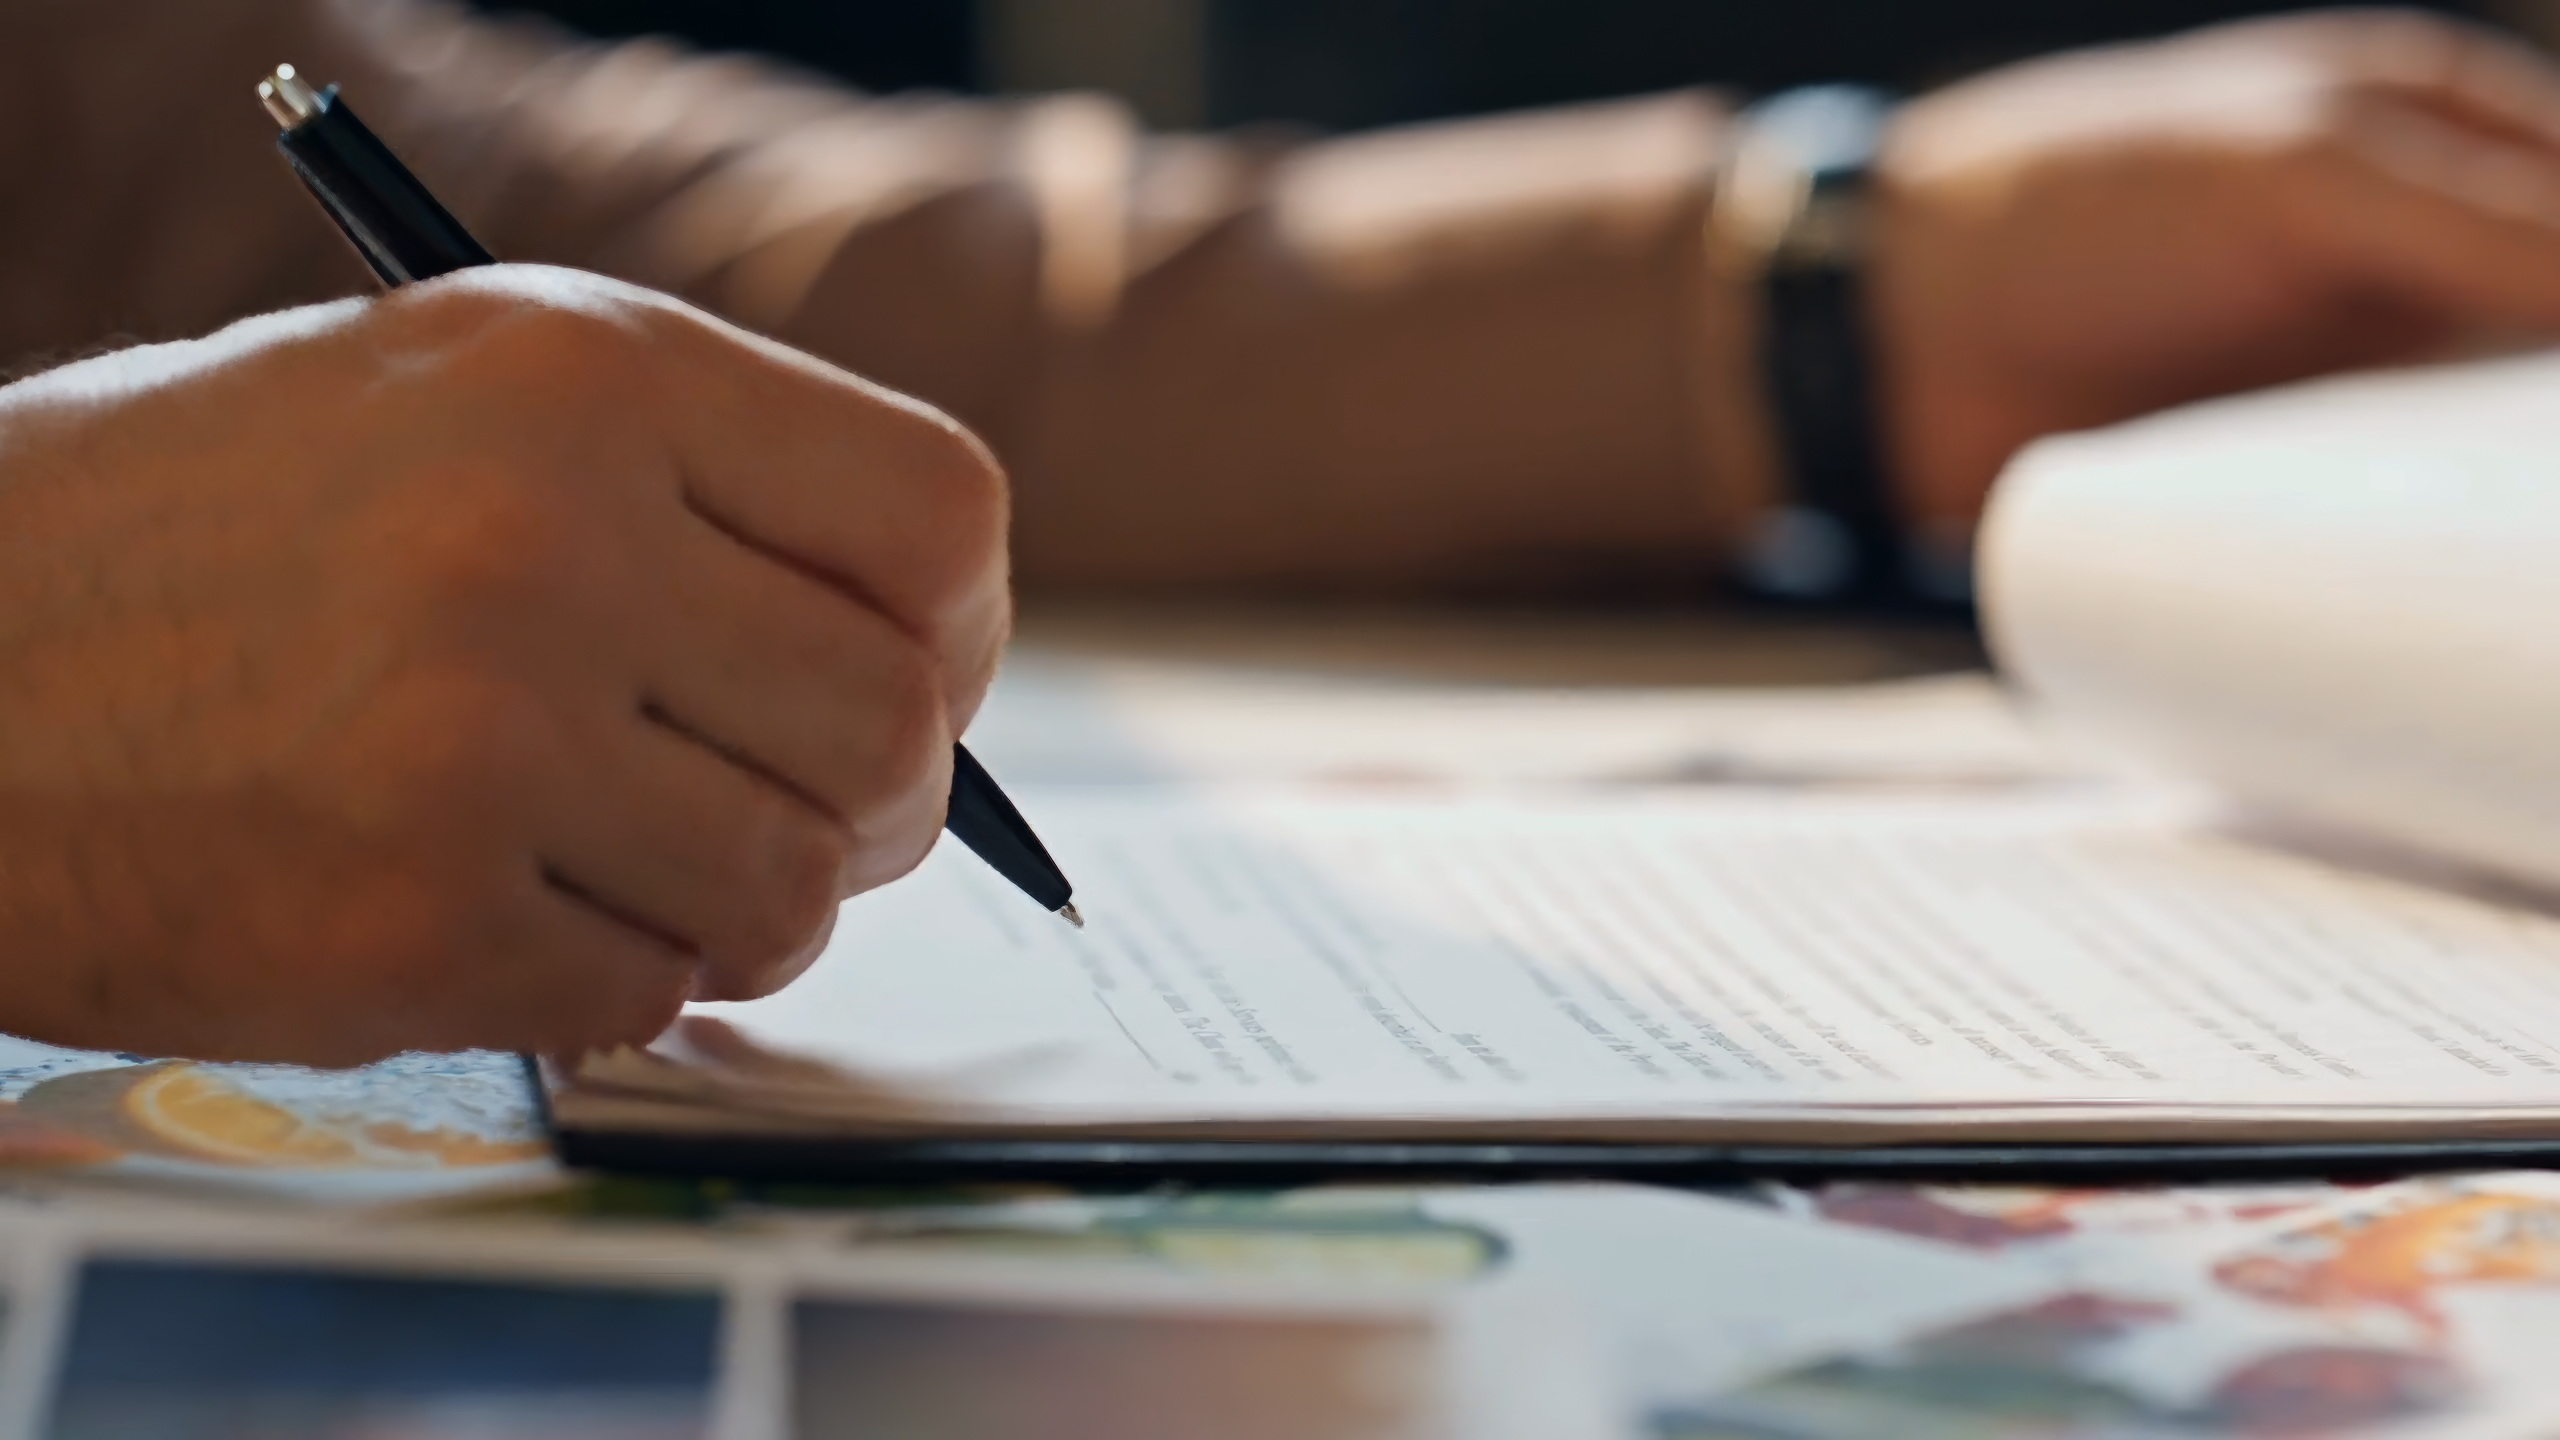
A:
(160, 1351)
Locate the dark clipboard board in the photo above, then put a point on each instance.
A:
(1262, 1165)
(1142, 1165)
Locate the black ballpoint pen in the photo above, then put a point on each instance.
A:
(405, 235)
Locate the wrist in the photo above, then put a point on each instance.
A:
(1941, 445)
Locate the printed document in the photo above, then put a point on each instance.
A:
(1648, 967)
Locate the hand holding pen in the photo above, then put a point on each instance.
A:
(464, 669)
(405, 235)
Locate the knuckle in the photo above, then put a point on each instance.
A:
(899, 826)
(966, 481)
(466, 305)
(909, 729)
(642, 1012)
(900, 859)
(2402, 41)
(966, 506)
(527, 326)
(2388, 51)
(893, 850)
(890, 717)
(586, 327)
(2310, 130)
(2344, 38)
(801, 882)
(571, 350)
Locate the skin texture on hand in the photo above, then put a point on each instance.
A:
(500, 662)
(2077, 241)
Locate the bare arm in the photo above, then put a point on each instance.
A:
(1469, 356)
(1476, 356)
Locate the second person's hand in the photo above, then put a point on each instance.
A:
(2080, 240)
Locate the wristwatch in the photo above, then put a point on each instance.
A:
(1791, 220)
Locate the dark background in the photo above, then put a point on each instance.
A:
(878, 44)
(1342, 63)
(1347, 62)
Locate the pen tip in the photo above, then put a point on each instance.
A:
(1071, 915)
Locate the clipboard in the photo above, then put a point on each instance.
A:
(1144, 1165)
(1261, 1165)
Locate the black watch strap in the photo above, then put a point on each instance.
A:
(1794, 206)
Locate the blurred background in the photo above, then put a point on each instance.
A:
(1341, 64)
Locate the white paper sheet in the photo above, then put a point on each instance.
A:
(2330, 600)
(1080, 721)
(1663, 968)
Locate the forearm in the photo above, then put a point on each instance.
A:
(1479, 355)
(1485, 356)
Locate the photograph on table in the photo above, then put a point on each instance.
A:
(200, 1350)
(2420, 1307)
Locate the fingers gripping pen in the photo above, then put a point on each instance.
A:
(406, 235)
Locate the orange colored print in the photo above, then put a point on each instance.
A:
(2399, 1258)
(178, 1110)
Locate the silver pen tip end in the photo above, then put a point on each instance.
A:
(287, 98)
(1071, 915)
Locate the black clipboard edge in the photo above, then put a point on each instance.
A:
(1143, 1165)
(1147, 1165)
